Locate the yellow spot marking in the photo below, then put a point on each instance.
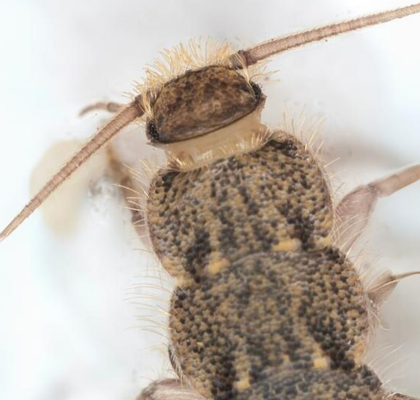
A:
(215, 267)
(243, 384)
(353, 314)
(183, 282)
(288, 245)
(359, 352)
(286, 358)
(321, 363)
(323, 242)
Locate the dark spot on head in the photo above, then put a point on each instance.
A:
(152, 132)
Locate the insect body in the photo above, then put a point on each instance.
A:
(263, 293)
(266, 306)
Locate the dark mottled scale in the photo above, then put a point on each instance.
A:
(290, 384)
(267, 309)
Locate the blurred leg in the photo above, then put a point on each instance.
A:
(355, 209)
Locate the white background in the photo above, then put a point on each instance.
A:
(68, 326)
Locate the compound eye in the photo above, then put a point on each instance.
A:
(151, 132)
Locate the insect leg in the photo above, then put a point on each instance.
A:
(168, 389)
(134, 192)
(354, 211)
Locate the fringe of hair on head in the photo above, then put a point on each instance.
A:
(196, 54)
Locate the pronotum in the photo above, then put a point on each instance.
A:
(303, 55)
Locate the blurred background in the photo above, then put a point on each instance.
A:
(82, 303)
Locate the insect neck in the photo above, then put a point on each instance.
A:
(241, 136)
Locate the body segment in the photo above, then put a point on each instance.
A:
(263, 299)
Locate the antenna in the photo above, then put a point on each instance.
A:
(127, 115)
(279, 45)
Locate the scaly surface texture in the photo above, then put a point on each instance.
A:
(273, 198)
(265, 307)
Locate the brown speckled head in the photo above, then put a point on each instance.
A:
(201, 101)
